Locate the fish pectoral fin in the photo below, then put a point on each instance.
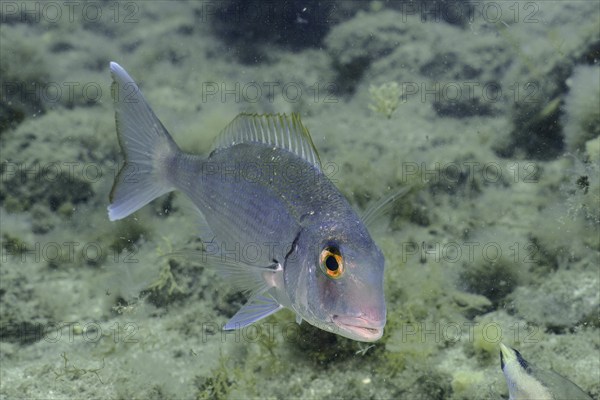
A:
(382, 206)
(249, 278)
(255, 309)
(298, 319)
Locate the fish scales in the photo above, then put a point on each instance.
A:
(270, 206)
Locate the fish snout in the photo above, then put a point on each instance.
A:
(361, 328)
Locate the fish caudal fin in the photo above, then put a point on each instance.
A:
(147, 146)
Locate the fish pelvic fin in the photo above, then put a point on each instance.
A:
(255, 309)
(255, 280)
(147, 146)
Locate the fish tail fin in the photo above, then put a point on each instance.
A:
(147, 146)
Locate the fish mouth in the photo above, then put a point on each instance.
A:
(358, 328)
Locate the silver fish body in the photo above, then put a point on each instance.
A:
(278, 226)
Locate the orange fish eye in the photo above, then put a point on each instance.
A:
(332, 262)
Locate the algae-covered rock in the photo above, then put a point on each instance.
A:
(369, 36)
(538, 88)
(592, 149)
(433, 386)
(355, 44)
(294, 24)
(566, 298)
(499, 262)
(55, 159)
(424, 57)
(567, 227)
(23, 74)
(581, 120)
(583, 195)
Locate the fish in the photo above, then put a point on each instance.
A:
(270, 219)
(526, 382)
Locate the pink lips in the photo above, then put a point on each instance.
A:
(359, 328)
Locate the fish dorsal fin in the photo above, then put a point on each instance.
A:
(278, 130)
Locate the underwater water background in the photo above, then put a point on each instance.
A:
(488, 112)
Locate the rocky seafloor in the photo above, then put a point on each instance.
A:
(487, 112)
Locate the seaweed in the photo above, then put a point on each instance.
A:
(72, 372)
